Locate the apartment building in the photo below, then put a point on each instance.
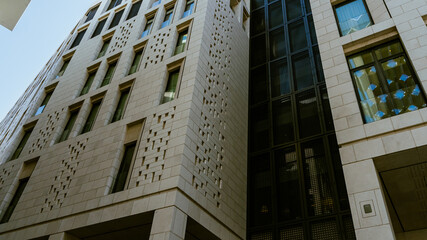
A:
(224, 119)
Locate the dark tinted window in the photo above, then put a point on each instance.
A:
(116, 19)
(78, 38)
(99, 27)
(134, 10)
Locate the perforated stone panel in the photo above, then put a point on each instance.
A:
(155, 52)
(46, 131)
(122, 38)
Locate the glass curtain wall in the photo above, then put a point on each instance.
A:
(296, 187)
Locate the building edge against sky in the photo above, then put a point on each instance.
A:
(164, 120)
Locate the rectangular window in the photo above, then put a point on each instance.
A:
(63, 68)
(113, 4)
(92, 116)
(21, 144)
(91, 14)
(122, 175)
(182, 40)
(109, 74)
(104, 48)
(352, 16)
(136, 61)
(44, 103)
(99, 27)
(168, 18)
(116, 19)
(155, 3)
(188, 8)
(15, 200)
(69, 126)
(134, 10)
(78, 38)
(147, 28)
(121, 106)
(88, 83)
(171, 86)
(385, 82)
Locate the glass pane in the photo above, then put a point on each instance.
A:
(120, 182)
(15, 200)
(374, 102)
(317, 182)
(257, 3)
(389, 50)
(135, 63)
(182, 40)
(308, 114)
(313, 36)
(88, 83)
(406, 94)
(257, 50)
(104, 48)
(99, 28)
(67, 130)
(262, 236)
(288, 188)
(92, 117)
(259, 85)
(348, 228)
(120, 110)
(116, 19)
(325, 229)
(319, 67)
(260, 188)
(21, 145)
(280, 83)
(298, 36)
(109, 74)
(170, 90)
(352, 17)
(338, 171)
(293, 9)
(327, 113)
(134, 10)
(258, 22)
(302, 72)
(78, 39)
(259, 128)
(283, 128)
(275, 16)
(277, 44)
(360, 60)
(292, 233)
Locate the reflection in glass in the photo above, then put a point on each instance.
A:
(308, 114)
(275, 14)
(298, 36)
(293, 9)
(280, 83)
(283, 130)
(258, 22)
(259, 85)
(277, 44)
(352, 17)
(259, 128)
(302, 72)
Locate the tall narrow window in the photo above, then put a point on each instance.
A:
(78, 38)
(135, 63)
(91, 14)
(385, 83)
(88, 83)
(121, 106)
(134, 10)
(21, 144)
(122, 175)
(69, 126)
(182, 40)
(188, 8)
(44, 103)
(168, 18)
(352, 16)
(148, 26)
(92, 116)
(171, 86)
(116, 19)
(104, 48)
(63, 68)
(109, 74)
(113, 4)
(99, 28)
(15, 200)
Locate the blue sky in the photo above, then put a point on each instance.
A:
(25, 50)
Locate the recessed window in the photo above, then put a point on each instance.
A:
(88, 83)
(385, 82)
(171, 87)
(148, 26)
(155, 3)
(168, 18)
(92, 116)
(121, 106)
(78, 39)
(104, 48)
(9, 210)
(352, 16)
(113, 4)
(116, 19)
(21, 144)
(63, 68)
(188, 8)
(99, 27)
(109, 75)
(182, 41)
(44, 103)
(91, 14)
(136, 61)
(134, 10)
(69, 126)
(123, 173)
